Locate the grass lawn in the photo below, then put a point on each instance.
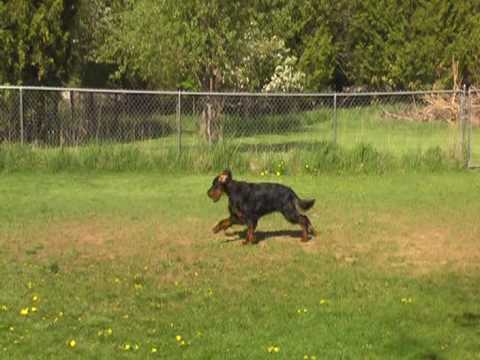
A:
(124, 265)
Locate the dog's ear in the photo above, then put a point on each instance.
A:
(225, 176)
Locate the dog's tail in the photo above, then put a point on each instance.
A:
(305, 204)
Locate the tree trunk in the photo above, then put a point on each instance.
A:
(211, 128)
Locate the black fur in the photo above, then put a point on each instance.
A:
(248, 202)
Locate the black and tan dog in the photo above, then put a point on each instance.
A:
(248, 202)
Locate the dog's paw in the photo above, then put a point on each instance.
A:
(216, 229)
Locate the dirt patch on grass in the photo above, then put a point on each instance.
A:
(384, 241)
(428, 249)
(401, 243)
(91, 239)
(177, 248)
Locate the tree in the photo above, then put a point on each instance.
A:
(35, 48)
(35, 45)
(411, 44)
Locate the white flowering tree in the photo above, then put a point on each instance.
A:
(286, 78)
(267, 65)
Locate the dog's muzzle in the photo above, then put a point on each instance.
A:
(214, 195)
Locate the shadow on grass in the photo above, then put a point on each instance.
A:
(468, 319)
(263, 235)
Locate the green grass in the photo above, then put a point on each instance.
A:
(319, 158)
(393, 273)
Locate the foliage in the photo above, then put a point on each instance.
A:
(268, 65)
(193, 42)
(273, 45)
(35, 45)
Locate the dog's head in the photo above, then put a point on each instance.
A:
(219, 184)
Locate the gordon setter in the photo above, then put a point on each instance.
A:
(248, 202)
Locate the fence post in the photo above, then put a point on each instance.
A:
(21, 117)
(179, 123)
(463, 127)
(468, 118)
(335, 118)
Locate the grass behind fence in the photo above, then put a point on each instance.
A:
(317, 158)
(294, 143)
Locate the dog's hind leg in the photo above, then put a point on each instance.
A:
(292, 215)
(252, 225)
(310, 228)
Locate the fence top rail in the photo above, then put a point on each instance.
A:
(217, 93)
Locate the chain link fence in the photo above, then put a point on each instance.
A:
(473, 128)
(395, 122)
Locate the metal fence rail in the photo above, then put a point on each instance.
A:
(397, 122)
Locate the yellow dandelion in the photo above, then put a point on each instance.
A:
(178, 338)
(278, 173)
(60, 313)
(117, 280)
(126, 347)
(109, 331)
(136, 347)
(24, 311)
(154, 350)
(4, 308)
(29, 285)
(35, 298)
(273, 349)
(11, 328)
(262, 173)
(323, 301)
(72, 343)
(183, 343)
(33, 309)
(138, 286)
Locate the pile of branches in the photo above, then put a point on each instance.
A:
(442, 107)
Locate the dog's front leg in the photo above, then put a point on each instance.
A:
(222, 225)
